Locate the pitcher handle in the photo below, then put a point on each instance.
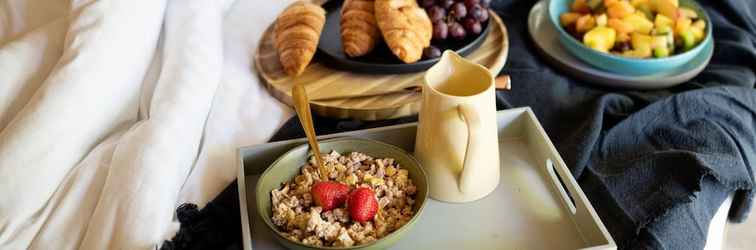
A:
(472, 121)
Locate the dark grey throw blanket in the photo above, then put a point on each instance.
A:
(664, 171)
(656, 165)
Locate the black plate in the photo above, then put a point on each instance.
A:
(380, 60)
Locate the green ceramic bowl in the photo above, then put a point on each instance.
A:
(288, 165)
(626, 65)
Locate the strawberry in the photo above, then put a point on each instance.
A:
(362, 204)
(329, 194)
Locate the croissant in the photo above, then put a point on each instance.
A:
(359, 30)
(296, 35)
(405, 27)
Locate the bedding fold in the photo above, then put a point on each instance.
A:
(243, 113)
(154, 157)
(91, 91)
(24, 65)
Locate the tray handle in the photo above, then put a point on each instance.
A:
(556, 179)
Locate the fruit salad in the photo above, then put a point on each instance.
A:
(354, 199)
(634, 28)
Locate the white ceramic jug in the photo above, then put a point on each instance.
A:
(457, 141)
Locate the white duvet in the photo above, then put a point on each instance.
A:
(113, 112)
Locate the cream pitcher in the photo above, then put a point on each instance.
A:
(457, 140)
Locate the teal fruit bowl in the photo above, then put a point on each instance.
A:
(626, 65)
(288, 166)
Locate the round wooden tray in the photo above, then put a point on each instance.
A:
(342, 94)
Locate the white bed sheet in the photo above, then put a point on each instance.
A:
(113, 112)
(110, 115)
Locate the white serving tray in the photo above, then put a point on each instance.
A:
(530, 209)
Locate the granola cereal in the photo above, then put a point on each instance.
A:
(299, 219)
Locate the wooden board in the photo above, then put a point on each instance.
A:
(325, 86)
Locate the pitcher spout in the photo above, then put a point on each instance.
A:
(453, 75)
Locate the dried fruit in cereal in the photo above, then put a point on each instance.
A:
(312, 207)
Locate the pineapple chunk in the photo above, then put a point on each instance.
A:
(620, 26)
(620, 9)
(700, 24)
(622, 37)
(663, 21)
(637, 3)
(643, 6)
(585, 23)
(683, 24)
(568, 19)
(659, 41)
(641, 41)
(610, 2)
(601, 20)
(698, 34)
(666, 31)
(600, 38)
(639, 23)
(638, 53)
(687, 12)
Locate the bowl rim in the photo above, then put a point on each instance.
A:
(404, 227)
(696, 49)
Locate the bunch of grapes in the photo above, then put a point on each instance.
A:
(455, 19)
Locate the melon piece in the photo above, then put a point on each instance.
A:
(620, 9)
(620, 26)
(580, 6)
(569, 18)
(682, 24)
(667, 8)
(585, 23)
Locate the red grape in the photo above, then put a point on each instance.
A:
(440, 30)
(457, 31)
(470, 3)
(472, 26)
(485, 3)
(436, 13)
(483, 16)
(427, 3)
(458, 11)
(445, 3)
(431, 52)
(476, 12)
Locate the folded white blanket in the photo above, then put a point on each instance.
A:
(104, 128)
